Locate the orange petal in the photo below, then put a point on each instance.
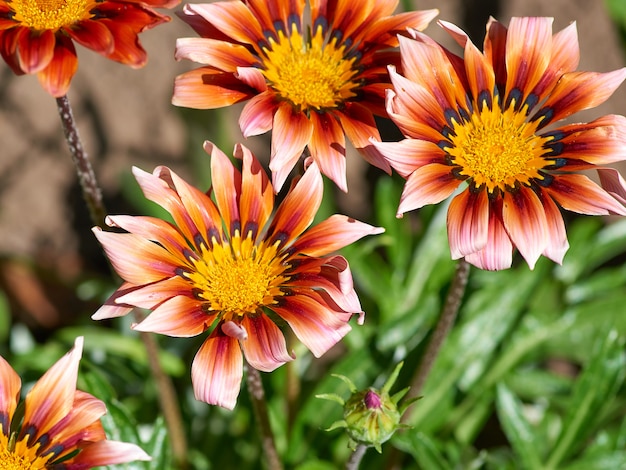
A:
(291, 133)
(151, 295)
(107, 452)
(258, 114)
(135, 259)
(576, 91)
(328, 148)
(206, 88)
(78, 424)
(468, 223)
(222, 55)
(226, 181)
(298, 209)
(600, 142)
(36, 49)
(317, 326)
(265, 348)
(52, 397)
(577, 193)
(56, 77)
(408, 155)
(564, 58)
(333, 234)
(257, 194)
(359, 125)
(217, 370)
(110, 309)
(525, 221)
(92, 34)
(528, 51)
(151, 228)
(429, 184)
(233, 18)
(557, 244)
(181, 317)
(10, 385)
(498, 252)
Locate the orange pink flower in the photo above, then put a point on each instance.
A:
(235, 267)
(311, 82)
(489, 126)
(37, 37)
(56, 426)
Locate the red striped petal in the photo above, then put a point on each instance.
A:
(265, 347)
(217, 370)
(206, 88)
(180, 317)
(35, 49)
(328, 148)
(468, 223)
(429, 184)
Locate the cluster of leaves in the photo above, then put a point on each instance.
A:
(531, 376)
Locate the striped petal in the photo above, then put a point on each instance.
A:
(291, 132)
(468, 223)
(328, 148)
(52, 397)
(207, 88)
(257, 115)
(106, 452)
(429, 184)
(257, 194)
(233, 18)
(10, 384)
(333, 234)
(217, 370)
(318, 327)
(226, 187)
(577, 193)
(180, 317)
(264, 348)
(221, 55)
(525, 221)
(498, 252)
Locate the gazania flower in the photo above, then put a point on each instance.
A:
(488, 124)
(57, 426)
(234, 268)
(37, 37)
(312, 83)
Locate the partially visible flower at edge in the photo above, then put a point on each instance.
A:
(233, 268)
(488, 123)
(37, 37)
(56, 426)
(311, 84)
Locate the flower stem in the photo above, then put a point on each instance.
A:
(257, 395)
(97, 211)
(446, 320)
(356, 457)
(84, 170)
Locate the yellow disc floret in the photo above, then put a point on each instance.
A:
(237, 278)
(498, 149)
(311, 75)
(43, 15)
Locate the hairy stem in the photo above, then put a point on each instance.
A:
(446, 320)
(257, 395)
(356, 457)
(97, 211)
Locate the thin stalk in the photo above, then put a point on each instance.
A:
(257, 396)
(356, 457)
(444, 324)
(97, 211)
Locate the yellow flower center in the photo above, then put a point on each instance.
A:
(498, 149)
(238, 278)
(311, 75)
(12, 461)
(50, 14)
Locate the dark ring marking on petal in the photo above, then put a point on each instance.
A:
(544, 114)
(558, 163)
(546, 180)
(451, 116)
(294, 19)
(55, 450)
(250, 228)
(456, 172)
(235, 226)
(182, 272)
(445, 144)
(197, 293)
(30, 431)
(189, 255)
(213, 236)
(555, 148)
(280, 237)
(320, 22)
(199, 241)
(531, 101)
(484, 98)
(514, 95)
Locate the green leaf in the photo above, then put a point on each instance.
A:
(423, 449)
(517, 429)
(595, 387)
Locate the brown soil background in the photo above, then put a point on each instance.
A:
(125, 119)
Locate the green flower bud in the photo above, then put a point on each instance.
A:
(370, 416)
